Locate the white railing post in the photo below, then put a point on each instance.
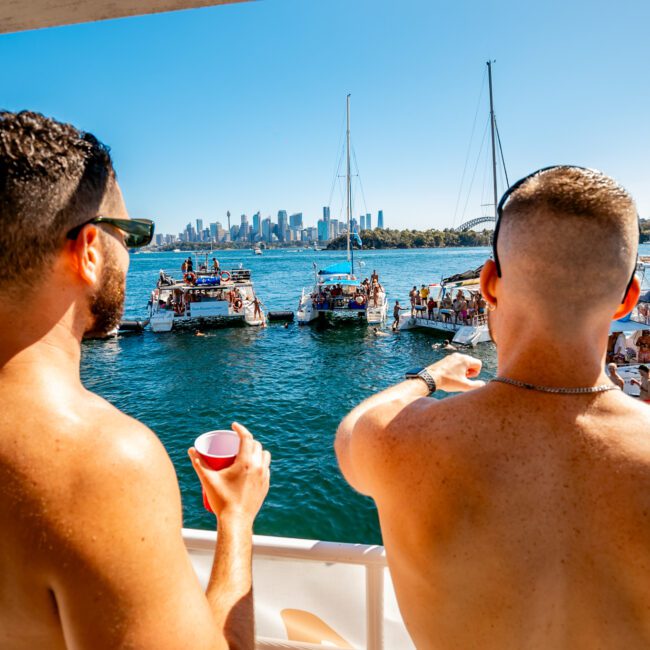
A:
(374, 607)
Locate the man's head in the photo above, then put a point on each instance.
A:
(643, 369)
(566, 247)
(54, 178)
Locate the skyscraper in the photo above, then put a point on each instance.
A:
(214, 233)
(199, 227)
(368, 221)
(326, 213)
(257, 224)
(380, 219)
(243, 228)
(295, 220)
(323, 230)
(283, 225)
(267, 229)
(362, 222)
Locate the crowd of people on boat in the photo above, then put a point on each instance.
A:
(622, 349)
(369, 292)
(180, 301)
(459, 308)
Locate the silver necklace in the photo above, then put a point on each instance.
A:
(557, 390)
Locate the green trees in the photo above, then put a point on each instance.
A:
(387, 238)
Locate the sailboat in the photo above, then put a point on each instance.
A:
(459, 310)
(337, 290)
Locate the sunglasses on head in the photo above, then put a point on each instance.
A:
(137, 232)
(513, 188)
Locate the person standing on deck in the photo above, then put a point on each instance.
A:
(643, 383)
(612, 370)
(91, 551)
(396, 310)
(529, 526)
(413, 296)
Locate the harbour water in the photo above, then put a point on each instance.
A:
(289, 386)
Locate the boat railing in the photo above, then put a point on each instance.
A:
(342, 592)
(449, 317)
(235, 275)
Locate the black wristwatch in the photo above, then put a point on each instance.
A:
(424, 375)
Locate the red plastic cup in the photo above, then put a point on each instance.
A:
(218, 449)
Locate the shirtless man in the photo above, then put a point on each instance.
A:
(612, 371)
(516, 518)
(91, 553)
(643, 384)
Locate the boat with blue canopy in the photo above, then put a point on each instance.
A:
(337, 290)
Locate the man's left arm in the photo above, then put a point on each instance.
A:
(363, 425)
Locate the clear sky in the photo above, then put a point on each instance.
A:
(241, 107)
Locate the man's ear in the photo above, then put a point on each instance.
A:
(489, 279)
(87, 255)
(630, 299)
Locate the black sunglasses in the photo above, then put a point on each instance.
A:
(513, 188)
(137, 232)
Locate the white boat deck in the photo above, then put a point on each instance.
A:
(311, 594)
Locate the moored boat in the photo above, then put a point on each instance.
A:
(454, 306)
(204, 297)
(337, 290)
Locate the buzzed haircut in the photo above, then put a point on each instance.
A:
(53, 177)
(571, 229)
(643, 367)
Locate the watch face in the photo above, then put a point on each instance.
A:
(414, 372)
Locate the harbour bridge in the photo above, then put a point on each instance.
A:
(472, 223)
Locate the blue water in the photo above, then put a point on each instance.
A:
(290, 387)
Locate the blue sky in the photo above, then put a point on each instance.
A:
(241, 107)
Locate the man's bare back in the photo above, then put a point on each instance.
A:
(517, 516)
(64, 454)
(512, 515)
(91, 551)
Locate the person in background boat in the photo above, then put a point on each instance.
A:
(257, 312)
(431, 305)
(375, 294)
(215, 265)
(515, 515)
(396, 310)
(184, 267)
(374, 277)
(91, 551)
(643, 383)
(413, 296)
(424, 294)
(446, 308)
(612, 371)
(190, 265)
(643, 343)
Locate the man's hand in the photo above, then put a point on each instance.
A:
(239, 490)
(454, 373)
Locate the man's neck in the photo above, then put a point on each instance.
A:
(38, 350)
(570, 357)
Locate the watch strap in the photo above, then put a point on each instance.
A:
(425, 376)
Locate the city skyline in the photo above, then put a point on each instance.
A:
(287, 228)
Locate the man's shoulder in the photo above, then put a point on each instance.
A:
(425, 425)
(120, 437)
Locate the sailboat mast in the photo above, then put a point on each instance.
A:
(492, 128)
(347, 176)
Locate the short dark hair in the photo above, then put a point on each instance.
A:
(644, 367)
(52, 177)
